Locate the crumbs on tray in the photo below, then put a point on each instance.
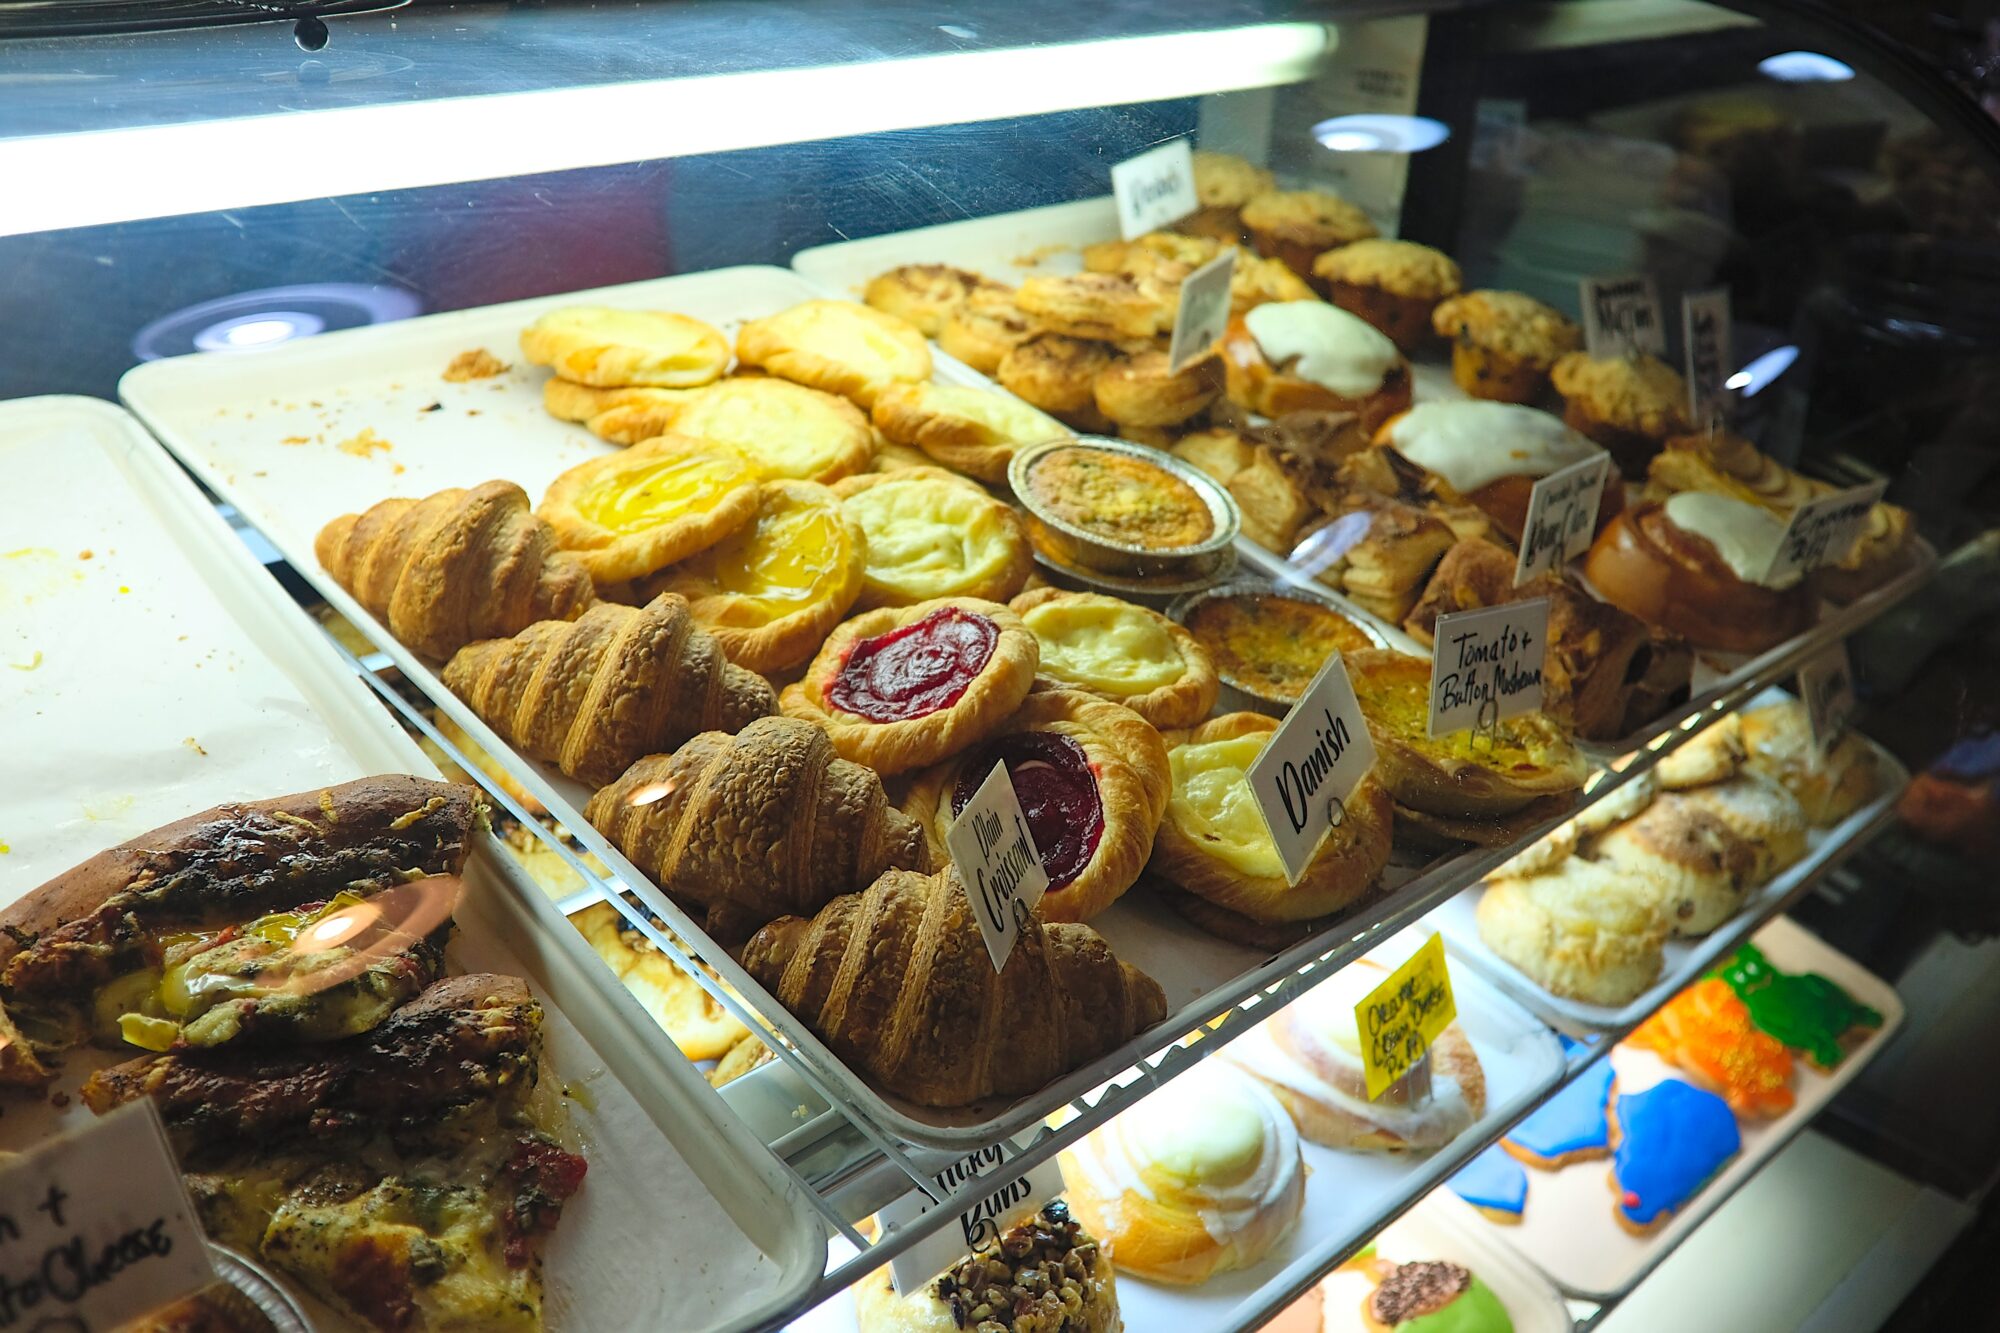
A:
(477, 364)
(366, 443)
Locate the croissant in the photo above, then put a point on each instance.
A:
(455, 566)
(897, 982)
(593, 695)
(756, 825)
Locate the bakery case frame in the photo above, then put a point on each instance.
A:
(220, 178)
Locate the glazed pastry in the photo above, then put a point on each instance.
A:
(1058, 374)
(1433, 1296)
(902, 687)
(455, 566)
(1503, 344)
(697, 1025)
(1273, 505)
(1288, 356)
(1109, 307)
(983, 330)
(1202, 1177)
(896, 981)
(1309, 1055)
(1379, 552)
(1777, 741)
(1493, 454)
(1580, 930)
(1707, 1031)
(1121, 652)
(1803, 1010)
(1092, 780)
(1630, 405)
(925, 295)
(1049, 1274)
(968, 430)
(1394, 285)
(789, 430)
(771, 591)
(1695, 566)
(762, 823)
(1272, 644)
(842, 347)
(627, 514)
(1119, 497)
(1572, 1126)
(1696, 866)
(1760, 812)
(1672, 1139)
(1214, 843)
(1494, 1183)
(1298, 226)
(1142, 391)
(599, 345)
(594, 694)
(931, 533)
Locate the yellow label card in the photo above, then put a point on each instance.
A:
(1400, 1018)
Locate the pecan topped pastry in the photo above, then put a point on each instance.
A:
(1044, 1275)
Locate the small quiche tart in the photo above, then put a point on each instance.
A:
(627, 514)
(901, 687)
(1091, 777)
(1213, 842)
(1270, 645)
(770, 591)
(974, 431)
(790, 430)
(843, 347)
(1119, 498)
(932, 533)
(609, 348)
(1121, 652)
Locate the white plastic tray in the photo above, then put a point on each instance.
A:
(169, 673)
(1429, 1232)
(1567, 1228)
(1685, 959)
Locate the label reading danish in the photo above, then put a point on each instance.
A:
(1311, 765)
(1402, 1017)
(1705, 338)
(96, 1228)
(1154, 189)
(1486, 665)
(1826, 683)
(978, 1225)
(996, 858)
(1621, 316)
(1822, 532)
(1204, 310)
(1562, 517)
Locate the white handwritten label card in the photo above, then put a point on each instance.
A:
(1826, 683)
(1311, 765)
(996, 858)
(1822, 532)
(1154, 189)
(979, 1225)
(1621, 316)
(1706, 342)
(96, 1228)
(1486, 665)
(1203, 313)
(1562, 517)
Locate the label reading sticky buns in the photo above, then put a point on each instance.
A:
(1486, 665)
(1400, 1018)
(996, 858)
(978, 1225)
(1154, 189)
(1203, 312)
(1561, 518)
(1311, 765)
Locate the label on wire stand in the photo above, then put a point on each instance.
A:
(1313, 762)
(1154, 189)
(1561, 518)
(1826, 683)
(979, 1225)
(1621, 316)
(997, 859)
(1203, 313)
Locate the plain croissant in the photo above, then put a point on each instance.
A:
(896, 981)
(455, 566)
(757, 825)
(595, 694)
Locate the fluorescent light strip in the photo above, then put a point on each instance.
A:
(105, 176)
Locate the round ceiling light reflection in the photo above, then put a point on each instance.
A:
(1379, 133)
(260, 330)
(253, 320)
(1804, 67)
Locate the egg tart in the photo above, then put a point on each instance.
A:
(843, 347)
(1091, 777)
(931, 533)
(1270, 645)
(974, 431)
(926, 295)
(601, 345)
(1114, 650)
(627, 407)
(770, 591)
(788, 429)
(1298, 356)
(1213, 841)
(627, 514)
(904, 686)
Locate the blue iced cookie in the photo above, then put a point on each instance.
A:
(1671, 1140)
(1494, 1183)
(1568, 1127)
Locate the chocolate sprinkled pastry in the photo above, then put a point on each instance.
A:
(1044, 1275)
(1412, 1291)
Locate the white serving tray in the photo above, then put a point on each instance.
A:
(1458, 919)
(1348, 1194)
(1567, 1228)
(169, 673)
(1429, 1232)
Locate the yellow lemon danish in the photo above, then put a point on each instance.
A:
(607, 347)
(1121, 652)
(843, 347)
(625, 515)
(974, 431)
(934, 534)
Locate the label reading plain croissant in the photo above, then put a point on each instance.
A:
(1154, 189)
(1826, 683)
(1203, 313)
(1402, 1017)
(978, 1225)
(1561, 518)
(1486, 665)
(1311, 765)
(997, 860)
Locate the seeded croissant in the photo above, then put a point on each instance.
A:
(896, 981)
(453, 567)
(595, 694)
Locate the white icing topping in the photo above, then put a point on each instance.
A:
(1475, 444)
(1105, 644)
(1744, 535)
(1336, 349)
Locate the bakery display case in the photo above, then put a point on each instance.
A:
(1167, 665)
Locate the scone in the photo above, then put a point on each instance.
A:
(1628, 404)
(1058, 374)
(601, 345)
(1048, 1273)
(1583, 931)
(1696, 867)
(842, 347)
(1777, 740)
(1760, 812)
(1298, 226)
(627, 514)
(790, 430)
(1107, 306)
(1121, 652)
(902, 687)
(1290, 356)
(1144, 391)
(926, 295)
(1091, 777)
(983, 330)
(771, 591)
(974, 431)
(1394, 285)
(1713, 754)
(931, 533)
(1503, 344)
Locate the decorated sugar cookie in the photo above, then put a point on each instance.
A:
(1801, 1009)
(1495, 1184)
(1671, 1140)
(1707, 1031)
(1568, 1127)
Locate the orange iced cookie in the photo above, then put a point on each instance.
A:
(1707, 1031)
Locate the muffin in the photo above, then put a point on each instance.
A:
(1628, 404)
(1394, 285)
(1298, 226)
(1223, 183)
(1503, 344)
